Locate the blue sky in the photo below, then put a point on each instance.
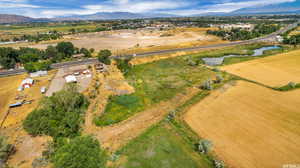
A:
(53, 8)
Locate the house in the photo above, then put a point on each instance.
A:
(27, 83)
(38, 74)
(70, 79)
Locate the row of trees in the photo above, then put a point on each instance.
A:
(36, 59)
(242, 34)
(292, 40)
(52, 35)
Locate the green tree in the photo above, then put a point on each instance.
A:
(29, 57)
(59, 115)
(80, 152)
(51, 52)
(8, 57)
(124, 64)
(86, 52)
(67, 48)
(104, 55)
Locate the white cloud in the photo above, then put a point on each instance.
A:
(16, 4)
(120, 6)
(228, 6)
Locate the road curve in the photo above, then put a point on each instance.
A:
(94, 60)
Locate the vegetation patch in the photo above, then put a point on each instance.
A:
(289, 86)
(80, 152)
(153, 82)
(59, 115)
(161, 146)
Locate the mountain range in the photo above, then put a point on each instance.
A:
(285, 8)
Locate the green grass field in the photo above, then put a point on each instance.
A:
(153, 82)
(162, 146)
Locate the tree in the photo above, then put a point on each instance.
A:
(80, 152)
(8, 57)
(104, 55)
(86, 52)
(67, 48)
(29, 57)
(124, 64)
(51, 52)
(59, 115)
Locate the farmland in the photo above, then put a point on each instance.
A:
(244, 113)
(285, 66)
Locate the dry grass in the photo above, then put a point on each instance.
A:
(8, 91)
(274, 71)
(250, 125)
(28, 148)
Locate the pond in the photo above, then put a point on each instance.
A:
(214, 61)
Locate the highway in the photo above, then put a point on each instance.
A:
(270, 37)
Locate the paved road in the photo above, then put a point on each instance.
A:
(270, 37)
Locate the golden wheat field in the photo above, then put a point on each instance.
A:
(273, 71)
(250, 126)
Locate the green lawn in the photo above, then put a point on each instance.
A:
(162, 147)
(153, 82)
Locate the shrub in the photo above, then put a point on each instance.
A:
(204, 146)
(59, 115)
(207, 85)
(80, 152)
(218, 164)
(219, 78)
(5, 149)
(292, 85)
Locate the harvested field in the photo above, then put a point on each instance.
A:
(250, 126)
(275, 71)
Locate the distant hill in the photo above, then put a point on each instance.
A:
(283, 8)
(4, 18)
(7, 19)
(114, 15)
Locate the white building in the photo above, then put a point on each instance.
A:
(70, 79)
(237, 26)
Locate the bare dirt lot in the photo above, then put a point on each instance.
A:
(59, 81)
(250, 126)
(136, 40)
(273, 71)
